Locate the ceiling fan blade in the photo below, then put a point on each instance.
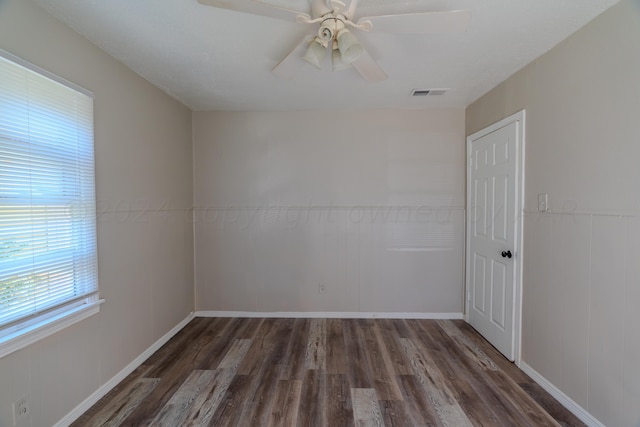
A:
(255, 7)
(369, 69)
(351, 11)
(319, 8)
(291, 63)
(454, 21)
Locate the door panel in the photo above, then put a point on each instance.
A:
(492, 230)
(480, 207)
(480, 275)
(499, 304)
(500, 220)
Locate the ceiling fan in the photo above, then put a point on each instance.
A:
(336, 20)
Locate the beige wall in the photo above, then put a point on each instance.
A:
(368, 204)
(581, 270)
(143, 166)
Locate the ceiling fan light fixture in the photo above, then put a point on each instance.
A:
(350, 48)
(334, 17)
(336, 60)
(325, 34)
(315, 53)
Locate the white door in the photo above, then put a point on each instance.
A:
(494, 208)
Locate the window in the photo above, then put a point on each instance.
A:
(48, 262)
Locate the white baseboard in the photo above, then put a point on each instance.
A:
(328, 315)
(109, 385)
(565, 400)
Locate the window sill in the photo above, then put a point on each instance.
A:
(20, 339)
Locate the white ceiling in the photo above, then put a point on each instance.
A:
(214, 59)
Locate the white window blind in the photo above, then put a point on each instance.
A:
(48, 256)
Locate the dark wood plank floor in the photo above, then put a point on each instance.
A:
(327, 372)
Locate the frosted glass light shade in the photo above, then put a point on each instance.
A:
(336, 61)
(315, 54)
(349, 47)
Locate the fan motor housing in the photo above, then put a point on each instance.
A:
(330, 27)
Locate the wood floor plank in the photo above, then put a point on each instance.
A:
(400, 327)
(295, 354)
(191, 346)
(479, 399)
(339, 407)
(417, 405)
(186, 336)
(329, 373)
(528, 406)
(502, 363)
(336, 357)
(543, 398)
(435, 387)
(235, 355)
(196, 400)
(205, 404)
(113, 400)
(366, 411)
(315, 356)
(224, 341)
(251, 328)
(122, 405)
(386, 332)
(285, 406)
(358, 362)
(382, 372)
(260, 398)
(394, 414)
(471, 349)
(230, 410)
(313, 400)
(209, 399)
(172, 373)
(550, 405)
(518, 380)
(280, 339)
(270, 331)
(175, 411)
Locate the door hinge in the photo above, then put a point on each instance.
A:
(468, 296)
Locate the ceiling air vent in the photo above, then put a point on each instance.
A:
(428, 92)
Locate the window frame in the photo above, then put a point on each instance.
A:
(33, 327)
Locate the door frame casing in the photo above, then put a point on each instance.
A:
(519, 119)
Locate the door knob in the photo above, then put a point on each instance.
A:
(506, 254)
